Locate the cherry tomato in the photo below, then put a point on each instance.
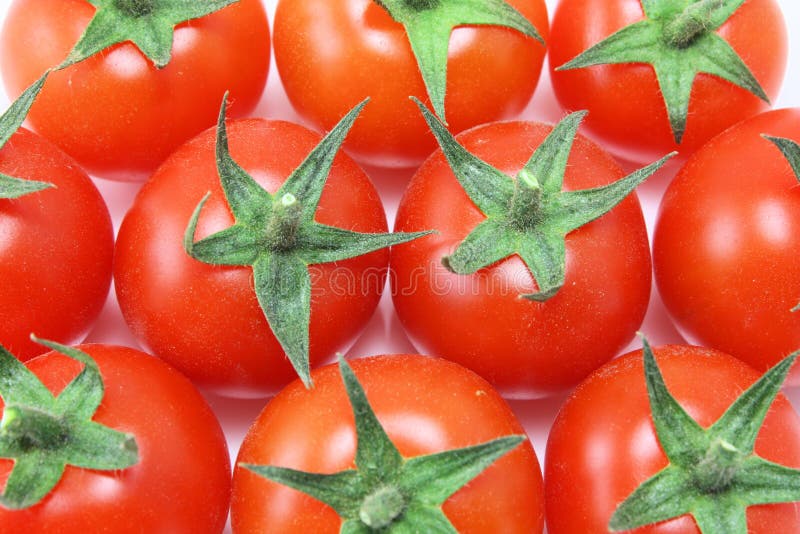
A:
(181, 482)
(116, 113)
(523, 348)
(56, 248)
(426, 405)
(603, 443)
(333, 54)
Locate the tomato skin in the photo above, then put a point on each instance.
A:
(205, 319)
(726, 241)
(181, 483)
(601, 449)
(627, 111)
(56, 249)
(426, 405)
(524, 348)
(116, 113)
(333, 54)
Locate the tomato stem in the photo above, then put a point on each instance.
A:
(135, 8)
(286, 220)
(527, 202)
(380, 508)
(693, 22)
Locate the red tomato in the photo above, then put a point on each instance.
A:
(627, 110)
(181, 483)
(426, 405)
(726, 241)
(333, 54)
(603, 443)
(523, 348)
(56, 249)
(116, 113)
(205, 319)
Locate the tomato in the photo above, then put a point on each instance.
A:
(627, 110)
(116, 113)
(205, 319)
(332, 54)
(181, 481)
(56, 248)
(523, 348)
(426, 405)
(726, 242)
(603, 444)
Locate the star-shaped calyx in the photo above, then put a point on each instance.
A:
(278, 236)
(10, 122)
(387, 492)
(429, 23)
(43, 434)
(149, 24)
(713, 474)
(678, 38)
(529, 216)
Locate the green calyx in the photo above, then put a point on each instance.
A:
(429, 23)
(530, 216)
(149, 24)
(43, 434)
(387, 492)
(10, 122)
(678, 38)
(278, 237)
(713, 474)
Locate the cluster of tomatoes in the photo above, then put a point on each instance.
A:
(257, 249)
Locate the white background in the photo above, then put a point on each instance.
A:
(384, 334)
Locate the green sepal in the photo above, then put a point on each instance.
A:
(10, 122)
(680, 42)
(713, 473)
(149, 24)
(386, 492)
(429, 23)
(529, 216)
(43, 434)
(278, 237)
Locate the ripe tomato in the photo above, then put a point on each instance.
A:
(603, 444)
(181, 481)
(426, 405)
(523, 348)
(56, 249)
(116, 113)
(627, 109)
(333, 54)
(205, 319)
(726, 241)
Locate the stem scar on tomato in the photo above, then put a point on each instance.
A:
(713, 474)
(277, 236)
(43, 434)
(385, 489)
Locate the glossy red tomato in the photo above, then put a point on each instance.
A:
(603, 444)
(426, 405)
(523, 348)
(726, 242)
(333, 54)
(181, 482)
(627, 110)
(116, 113)
(205, 319)
(56, 249)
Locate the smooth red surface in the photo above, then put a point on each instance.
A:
(426, 405)
(56, 249)
(524, 348)
(627, 111)
(333, 54)
(182, 480)
(116, 113)
(727, 241)
(603, 443)
(204, 319)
